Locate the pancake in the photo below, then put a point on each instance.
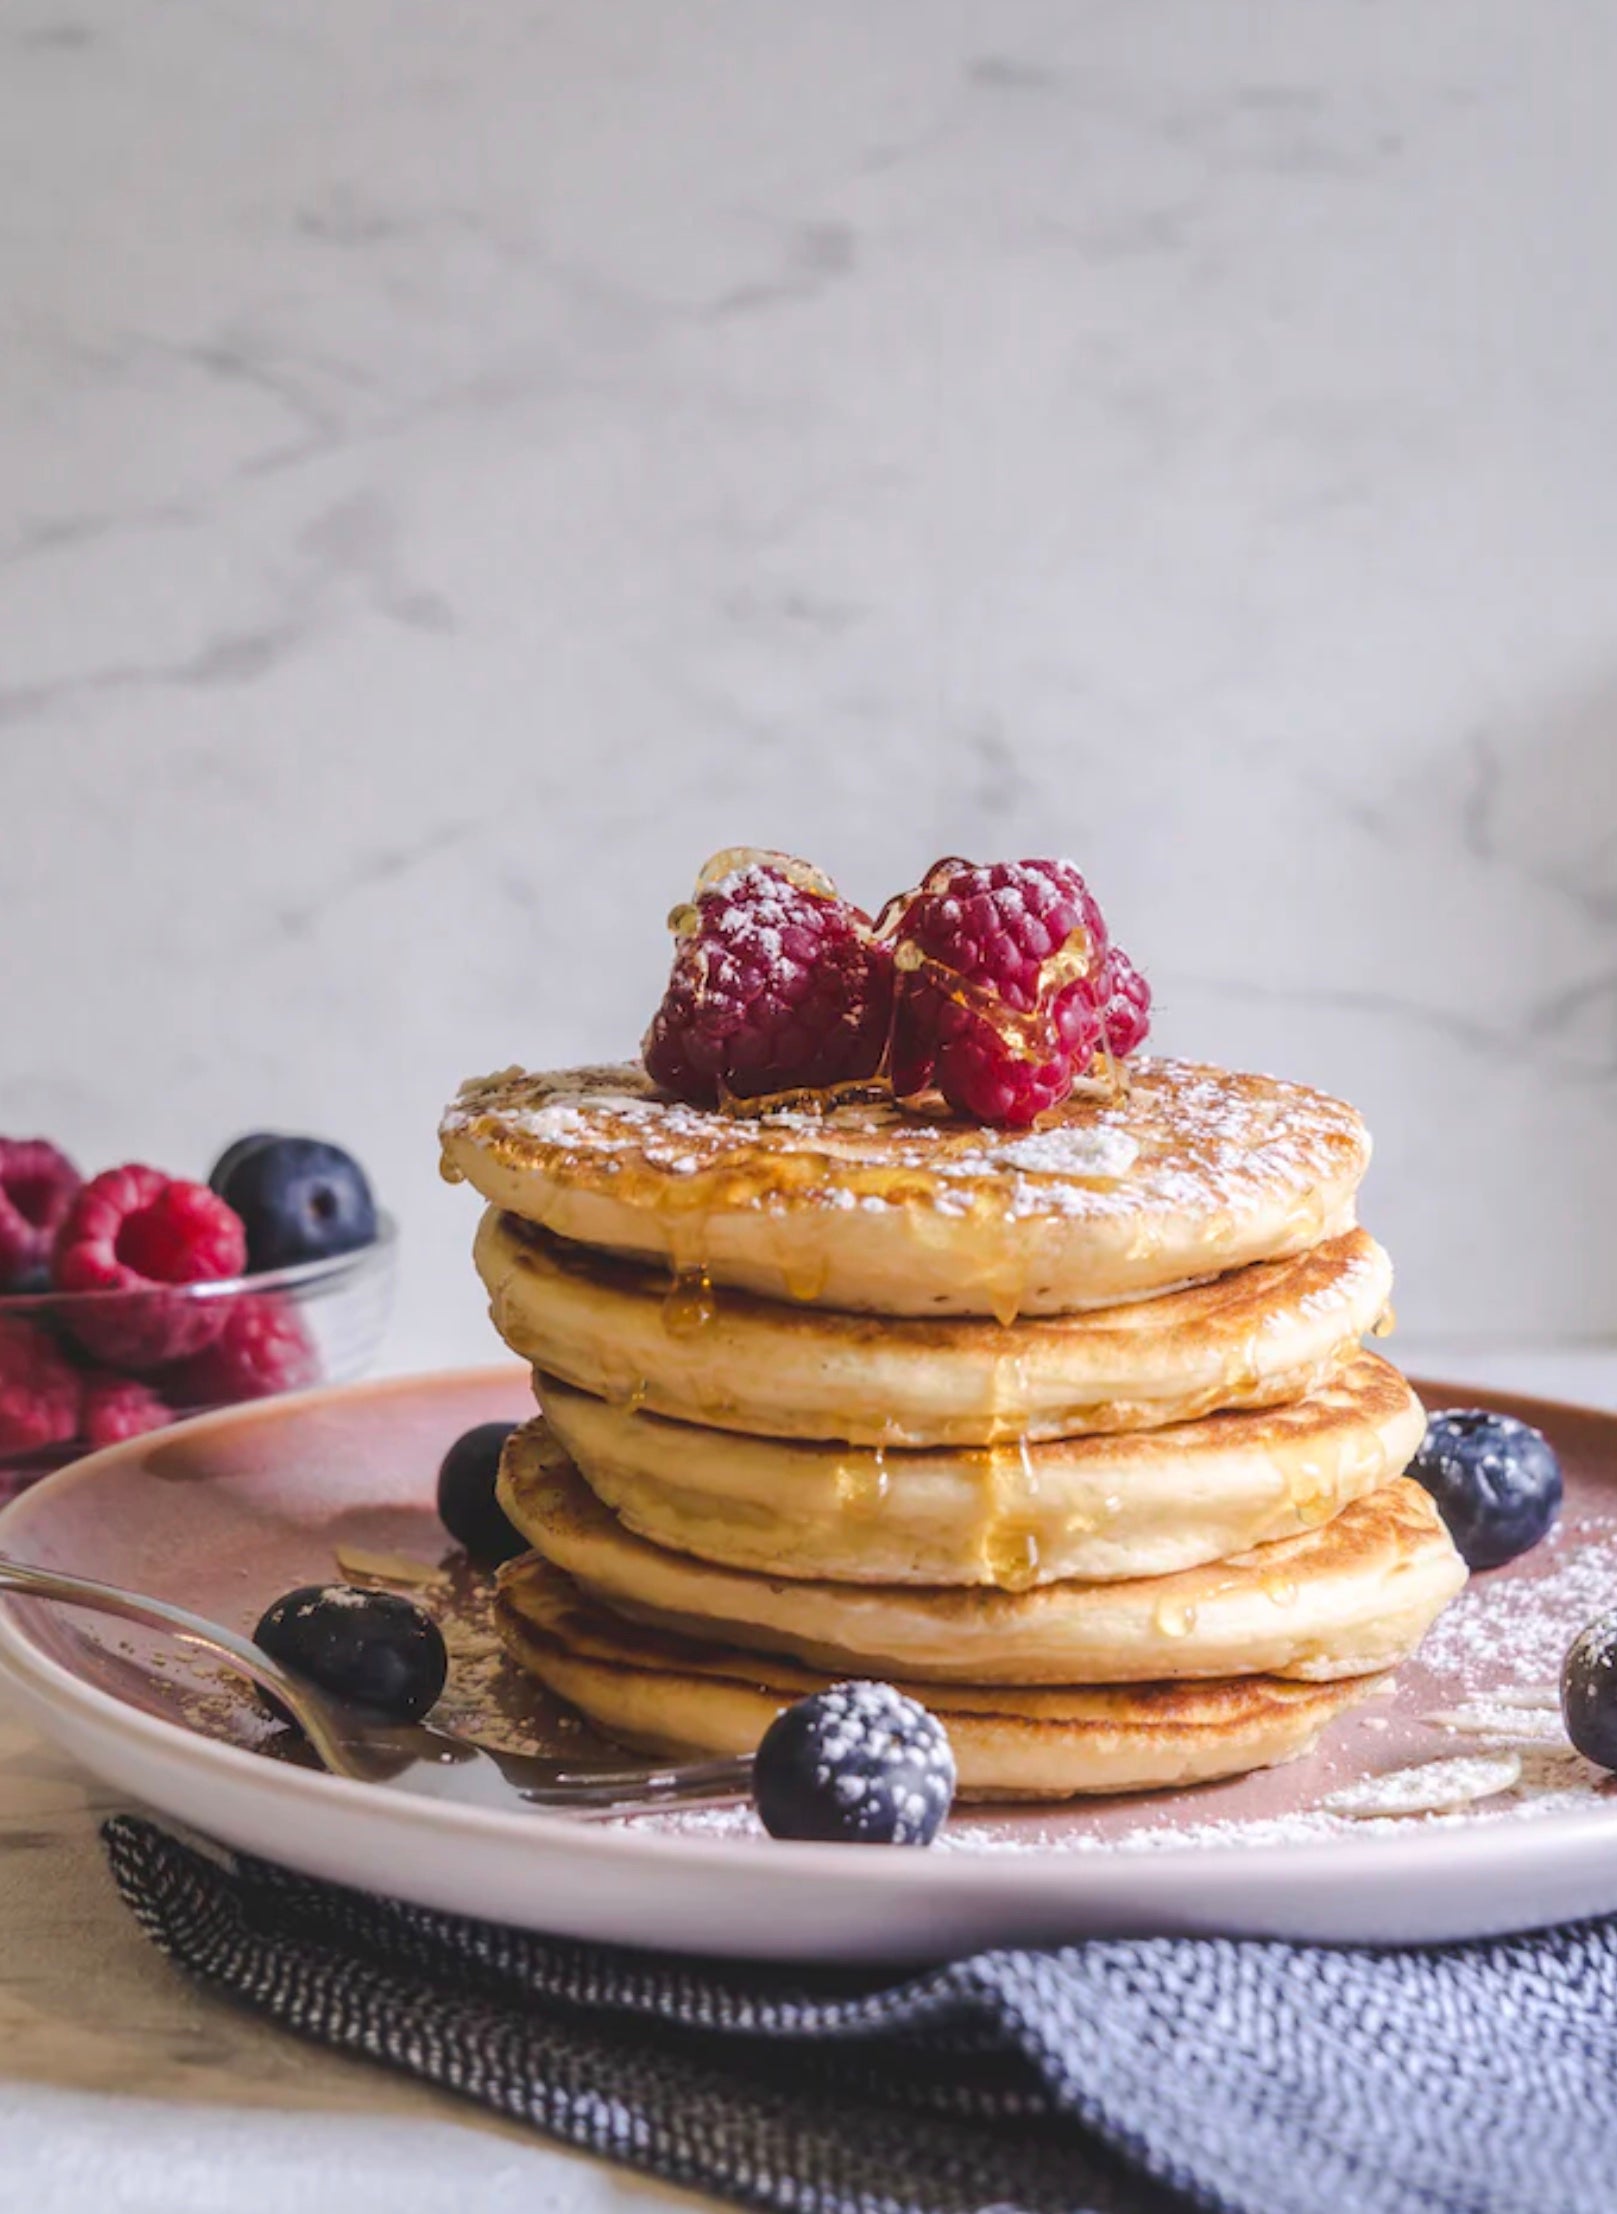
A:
(1095, 1508)
(1257, 1337)
(881, 1209)
(1346, 1599)
(674, 1695)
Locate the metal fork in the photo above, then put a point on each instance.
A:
(351, 1741)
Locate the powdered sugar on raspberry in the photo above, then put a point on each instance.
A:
(776, 986)
(1001, 979)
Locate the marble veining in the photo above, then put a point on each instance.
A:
(455, 473)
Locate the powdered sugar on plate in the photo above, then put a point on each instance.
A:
(1522, 1787)
(1471, 1735)
(1517, 1626)
(1430, 1787)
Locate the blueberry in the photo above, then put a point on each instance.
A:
(1497, 1482)
(374, 1647)
(1589, 1690)
(467, 1505)
(859, 1764)
(299, 1200)
(235, 1153)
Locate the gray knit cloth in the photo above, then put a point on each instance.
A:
(1141, 2077)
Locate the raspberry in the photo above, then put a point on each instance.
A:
(37, 1186)
(1126, 1011)
(136, 1232)
(996, 1002)
(777, 986)
(263, 1348)
(118, 1407)
(39, 1390)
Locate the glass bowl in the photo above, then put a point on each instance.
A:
(113, 1363)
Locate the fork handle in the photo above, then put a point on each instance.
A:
(642, 1791)
(585, 1791)
(33, 1582)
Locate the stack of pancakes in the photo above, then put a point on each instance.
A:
(1069, 1433)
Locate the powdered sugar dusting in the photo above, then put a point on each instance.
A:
(1505, 1721)
(1342, 1291)
(1541, 1785)
(1431, 1787)
(1472, 1735)
(1547, 1785)
(1103, 1152)
(1182, 1139)
(1519, 1627)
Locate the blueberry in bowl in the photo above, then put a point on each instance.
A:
(859, 1764)
(1496, 1482)
(234, 1154)
(376, 1648)
(130, 1298)
(299, 1199)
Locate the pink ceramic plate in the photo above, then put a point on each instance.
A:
(224, 1512)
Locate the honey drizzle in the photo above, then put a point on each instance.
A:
(689, 1304)
(1008, 1545)
(1310, 1488)
(1242, 1372)
(863, 1484)
(805, 1278)
(1028, 1033)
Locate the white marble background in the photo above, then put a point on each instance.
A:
(457, 466)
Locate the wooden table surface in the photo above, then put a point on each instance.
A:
(125, 2086)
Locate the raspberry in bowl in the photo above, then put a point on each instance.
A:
(133, 1298)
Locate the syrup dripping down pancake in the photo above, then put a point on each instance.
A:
(1091, 1509)
(1349, 1598)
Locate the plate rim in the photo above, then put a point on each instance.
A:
(1049, 1874)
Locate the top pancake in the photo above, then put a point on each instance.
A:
(880, 1209)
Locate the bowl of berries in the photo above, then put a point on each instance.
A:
(132, 1298)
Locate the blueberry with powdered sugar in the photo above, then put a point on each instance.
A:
(1496, 1481)
(859, 1764)
(375, 1647)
